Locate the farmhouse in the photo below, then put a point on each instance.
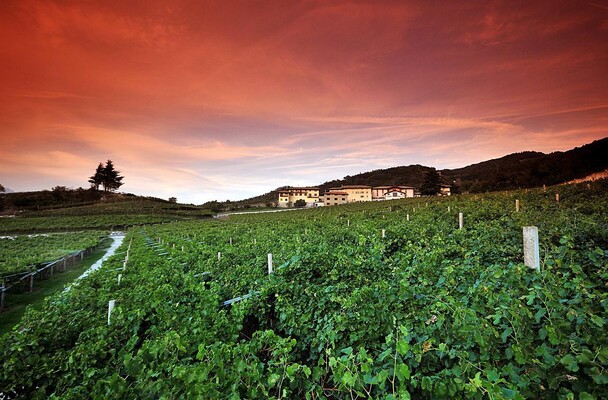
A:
(391, 192)
(289, 196)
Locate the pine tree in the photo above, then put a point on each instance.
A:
(111, 179)
(97, 179)
(431, 184)
(107, 177)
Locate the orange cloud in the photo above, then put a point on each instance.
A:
(207, 94)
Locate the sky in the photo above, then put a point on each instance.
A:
(216, 100)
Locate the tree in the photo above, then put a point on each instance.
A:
(107, 177)
(97, 179)
(300, 203)
(431, 185)
(111, 178)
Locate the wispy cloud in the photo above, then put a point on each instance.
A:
(225, 100)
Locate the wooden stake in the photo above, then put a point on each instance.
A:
(516, 205)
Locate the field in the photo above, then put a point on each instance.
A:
(116, 214)
(371, 300)
(24, 252)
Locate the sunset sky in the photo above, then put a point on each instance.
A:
(221, 100)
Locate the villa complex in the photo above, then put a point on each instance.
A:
(347, 194)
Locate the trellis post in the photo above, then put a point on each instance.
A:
(460, 220)
(269, 263)
(531, 250)
(111, 305)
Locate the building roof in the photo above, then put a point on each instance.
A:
(332, 192)
(291, 189)
(393, 186)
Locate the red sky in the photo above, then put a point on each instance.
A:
(224, 100)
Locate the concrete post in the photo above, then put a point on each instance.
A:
(219, 256)
(407, 217)
(111, 305)
(516, 205)
(383, 233)
(460, 220)
(531, 251)
(557, 197)
(269, 263)
(119, 279)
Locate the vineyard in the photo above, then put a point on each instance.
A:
(370, 300)
(23, 253)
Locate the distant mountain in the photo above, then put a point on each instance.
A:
(530, 169)
(518, 170)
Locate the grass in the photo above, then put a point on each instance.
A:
(15, 304)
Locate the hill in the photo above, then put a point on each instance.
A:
(531, 169)
(63, 202)
(514, 171)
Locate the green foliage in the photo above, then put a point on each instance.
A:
(428, 311)
(25, 252)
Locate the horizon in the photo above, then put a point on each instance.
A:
(219, 101)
